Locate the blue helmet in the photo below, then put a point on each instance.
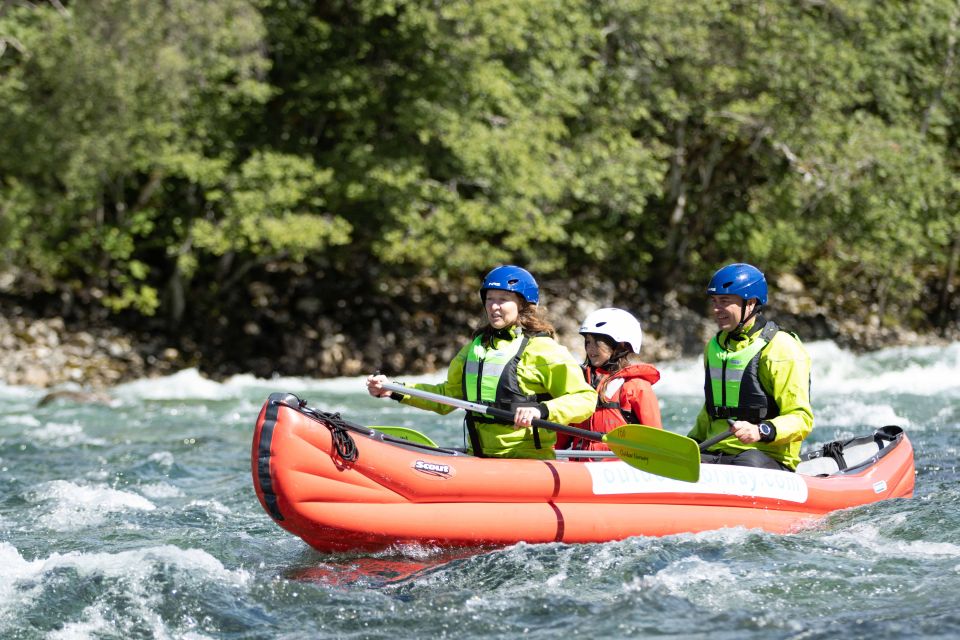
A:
(512, 278)
(739, 279)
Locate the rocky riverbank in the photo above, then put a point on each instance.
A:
(47, 353)
(50, 353)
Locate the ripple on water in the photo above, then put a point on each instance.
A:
(61, 505)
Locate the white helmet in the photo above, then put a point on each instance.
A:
(617, 324)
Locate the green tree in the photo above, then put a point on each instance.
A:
(122, 159)
(256, 167)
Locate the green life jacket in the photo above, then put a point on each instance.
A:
(732, 385)
(490, 377)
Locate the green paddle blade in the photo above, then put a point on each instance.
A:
(409, 435)
(656, 451)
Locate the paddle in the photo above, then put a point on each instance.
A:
(404, 433)
(652, 450)
(709, 442)
(706, 444)
(411, 435)
(566, 454)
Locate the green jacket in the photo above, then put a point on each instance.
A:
(545, 368)
(784, 372)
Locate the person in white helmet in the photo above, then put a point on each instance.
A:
(624, 382)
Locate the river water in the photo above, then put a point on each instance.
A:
(139, 520)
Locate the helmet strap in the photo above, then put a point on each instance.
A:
(738, 330)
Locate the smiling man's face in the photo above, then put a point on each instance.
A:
(728, 311)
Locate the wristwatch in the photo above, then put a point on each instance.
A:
(768, 432)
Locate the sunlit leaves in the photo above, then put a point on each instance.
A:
(634, 142)
(274, 204)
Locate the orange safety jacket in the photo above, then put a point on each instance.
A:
(624, 397)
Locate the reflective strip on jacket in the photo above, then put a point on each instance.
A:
(732, 385)
(783, 371)
(490, 374)
(546, 369)
(490, 377)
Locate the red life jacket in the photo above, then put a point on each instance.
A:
(616, 399)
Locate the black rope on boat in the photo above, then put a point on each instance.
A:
(835, 450)
(343, 443)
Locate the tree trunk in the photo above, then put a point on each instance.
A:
(946, 289)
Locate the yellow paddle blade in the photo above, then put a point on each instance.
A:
(404, 433)
(656, 451)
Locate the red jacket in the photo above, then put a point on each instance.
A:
(627, 391)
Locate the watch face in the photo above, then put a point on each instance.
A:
(764, 429)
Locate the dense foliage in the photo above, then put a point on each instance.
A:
(233, 169)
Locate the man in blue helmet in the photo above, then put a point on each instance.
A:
(757, 378)
(513, 363)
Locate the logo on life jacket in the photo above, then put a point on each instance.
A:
(434, 469)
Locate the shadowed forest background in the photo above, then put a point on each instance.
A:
(318, 187)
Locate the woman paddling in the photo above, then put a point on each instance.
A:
(513, 363)
(624, 382)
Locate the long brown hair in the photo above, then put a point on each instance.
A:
(532, 319)
(623, 359)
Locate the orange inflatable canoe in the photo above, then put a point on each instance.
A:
(341, 486)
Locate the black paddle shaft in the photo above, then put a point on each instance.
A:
(706, 444)
(546, 424)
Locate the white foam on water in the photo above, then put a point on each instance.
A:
(213, 508)
(60, 435)
(854, 414)
(160, 490)
(185, 384)
(11, 392)
(190, 384)
(15, 591)
(682, 377)
(74, 506)
(138, 564)
(948, 411)
(22, 420)
(133, 571)
(345, 384)
(556, 580)
(411, 550)
(925, 371)
(99, 475)
(868, 536)
(12, 568)
(348, 385)
(729, 536)
(678, 577)
(163, 458)
(93, 625)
